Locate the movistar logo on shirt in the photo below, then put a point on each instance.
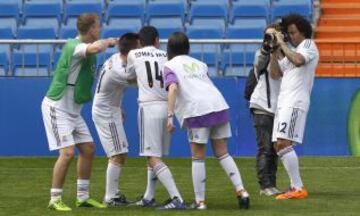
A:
(191, 68)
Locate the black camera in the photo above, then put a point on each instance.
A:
(270, 42)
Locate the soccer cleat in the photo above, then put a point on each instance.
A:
(173, 203)
(144, 202)
(293, 194)
(58, 205)
(198, 205)
(271, 191)
(89, 203)
(243, 199)
(120, 200)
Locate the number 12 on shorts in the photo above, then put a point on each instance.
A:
(158, 74)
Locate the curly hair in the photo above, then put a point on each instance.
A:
(302, 24)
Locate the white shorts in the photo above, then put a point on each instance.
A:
(289, 124)
(202, 135)
(112, 136)
(63, 129)
(154, 137)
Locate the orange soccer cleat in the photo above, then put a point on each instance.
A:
(293, 194)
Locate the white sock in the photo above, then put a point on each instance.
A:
(83, 189)
(151, 184)
(291, 163)
(112, 181)
(199, 179)
(229, 166)
(55, 194)
(165, 177)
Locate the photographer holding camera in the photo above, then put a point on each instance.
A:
(296, 67)
(263, 102)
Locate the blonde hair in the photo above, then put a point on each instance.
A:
(85, 21)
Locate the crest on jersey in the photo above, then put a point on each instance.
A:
(191, 68)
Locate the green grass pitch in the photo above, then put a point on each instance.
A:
(333, 184)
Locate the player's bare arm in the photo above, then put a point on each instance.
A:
(275, 71)
(100, 46)
(296, 58)
(171, 106)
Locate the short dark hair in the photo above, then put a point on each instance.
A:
(302, 24)
(85, 21)
(178, 44)
(127, 42)
(148, 35)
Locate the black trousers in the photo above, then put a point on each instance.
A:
(266, 157)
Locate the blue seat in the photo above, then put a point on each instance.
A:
(247, 29)
(4, 59)
(125, 23)
(116, 32)
(10, 9)
(206, 9)
(75, 8)
(68, 32)
(166, 9)
(36, 32)
(125, 9)
(30, 63)
(282, 8)
(6, 32)
(42, 9)
(237, 57)
(166, 26)
(250, 9)
(205, 32)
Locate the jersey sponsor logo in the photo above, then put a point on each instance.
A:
(193, 71)
(191, 68)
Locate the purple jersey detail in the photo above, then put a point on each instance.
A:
(170, 77)
(208, 120)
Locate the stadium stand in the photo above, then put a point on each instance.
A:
(200, 19)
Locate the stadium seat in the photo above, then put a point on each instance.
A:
(42, 9)
(30, 63)
(237, 58)
(125, 9)
(205, 32)
(10, 9)
(246, 29)
(207, 9)
(74, 8)
(4, 59)
(68, 32)
(282, 8)
(116, 32)
(166, 26)
(132, 23)
(249, 9)
(166, 9)
(6, 32)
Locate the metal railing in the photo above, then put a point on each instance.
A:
(213, 51)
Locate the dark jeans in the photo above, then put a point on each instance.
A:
(266, 157)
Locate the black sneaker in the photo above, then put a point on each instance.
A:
(120, 200)
(244, 200)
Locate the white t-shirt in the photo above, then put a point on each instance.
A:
(110, 89)
(297, 82)
(197, 95)
(259, 98)
(146, 64)
(67, 101)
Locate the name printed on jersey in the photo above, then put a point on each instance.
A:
(149, 54)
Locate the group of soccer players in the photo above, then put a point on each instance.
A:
(170, 84)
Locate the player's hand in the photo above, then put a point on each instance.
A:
(111, 42)
(170, 125)
(279, 37)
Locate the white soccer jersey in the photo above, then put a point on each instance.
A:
(259, 98)
(297, 82)
(197, 95)
(67, 102)
(147, 65)
(110, 88)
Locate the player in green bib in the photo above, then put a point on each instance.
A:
(61, 109)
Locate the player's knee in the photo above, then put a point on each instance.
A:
(88, 149)
(282, 144)
(67, 154)
(118, 160)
